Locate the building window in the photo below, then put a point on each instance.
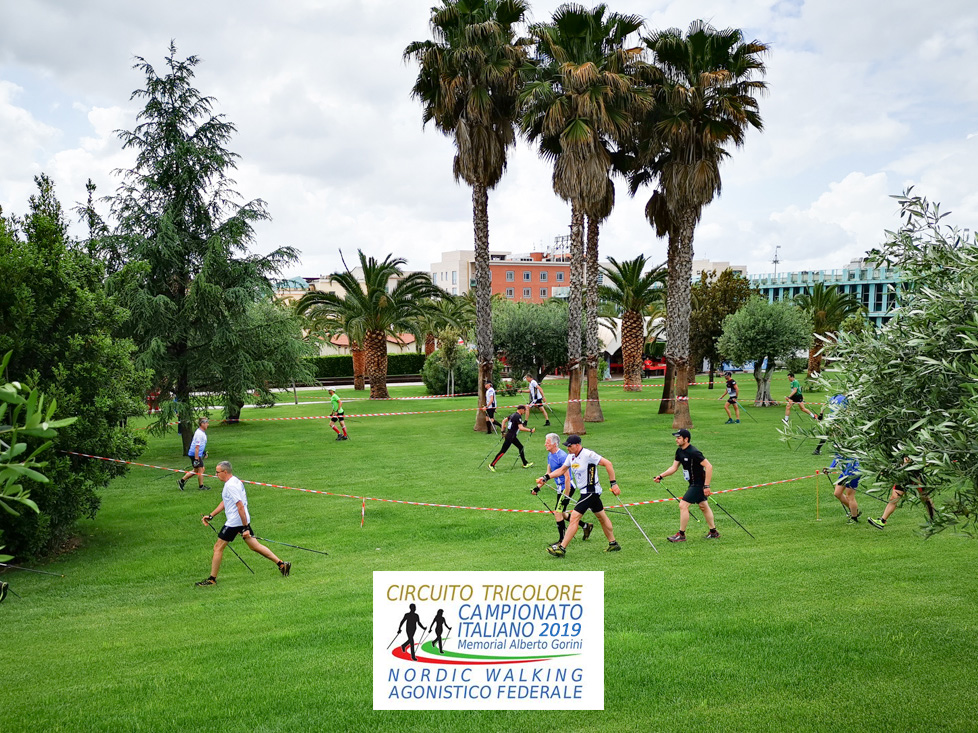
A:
(527, 276)
(454, 277)
(527, 292)
(509, 292)
(543, 276)
(454, 291)
(510, 276)
(543, 293)
(434, 277)
(560, 277)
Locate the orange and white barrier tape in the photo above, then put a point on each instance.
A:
(364, 499)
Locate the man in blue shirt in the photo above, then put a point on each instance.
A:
(555, 459)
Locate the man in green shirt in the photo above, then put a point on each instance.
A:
(336, 415)
(795, 398)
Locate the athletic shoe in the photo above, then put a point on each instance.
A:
(729, 421)
(846, 510)
(492, 468)
(207, 581)
(613, 547)
(346, 437)
(203, 487)
(737, 421)
(527, 465)
(817, 452)
(3, 591)
(285, 568)
(713, 534)
(878, 523)
(784, 420)
(339, 437)
(588, 528)
(546, 424)
(678, 537)
(180, 483)
(556, 550)
(854, 519)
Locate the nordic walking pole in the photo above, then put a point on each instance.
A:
(639, 527)
(495, 449)
(817, 473)
(677, 499)
(747, 413)
(39, 572)
(394, 639)
(232, 550)
(732, 517)
(265, 539)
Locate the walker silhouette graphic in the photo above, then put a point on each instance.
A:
(412, 621)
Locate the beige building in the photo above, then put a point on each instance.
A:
(701, 266)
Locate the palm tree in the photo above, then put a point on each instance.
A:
(468, 84)
(579, 100)
(633, 292)
(369, 311)
(705, 101)
(455, 313)
(828, 307)
(597, 212)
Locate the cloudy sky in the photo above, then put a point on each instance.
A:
(865, 98)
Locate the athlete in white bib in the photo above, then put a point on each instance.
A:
(583, 467)
(537, 399)
(491, 410)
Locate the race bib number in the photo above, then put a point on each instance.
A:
(686, 474)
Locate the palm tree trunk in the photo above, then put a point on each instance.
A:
(483, 303)
(667, 405)
(359, 365)
(593, 412)
(678, 310)
(632, 340)
(429, 344)
(574, 418)
(375, 344)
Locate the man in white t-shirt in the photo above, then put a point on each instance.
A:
(234, 504)
(197, 453)
(537, 399)
(491, 410)
(583, 467)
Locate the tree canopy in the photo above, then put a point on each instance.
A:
(189, 282)
(761, 330)
(60, 327)
(920, 366)
(714, 298)
(532, 337)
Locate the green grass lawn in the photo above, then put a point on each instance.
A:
(813, 626)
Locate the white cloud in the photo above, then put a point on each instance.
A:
(863, 100)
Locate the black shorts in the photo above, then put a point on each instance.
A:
(198, 462)
(229, 533)
(338, 416)
(589, 502)
(731, 400)
(537, 402)
(797, 398)
(490, 413)
(694, 495)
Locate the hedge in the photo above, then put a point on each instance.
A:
(326, 367)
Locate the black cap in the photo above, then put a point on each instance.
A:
(573, 440)
(684, 433)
